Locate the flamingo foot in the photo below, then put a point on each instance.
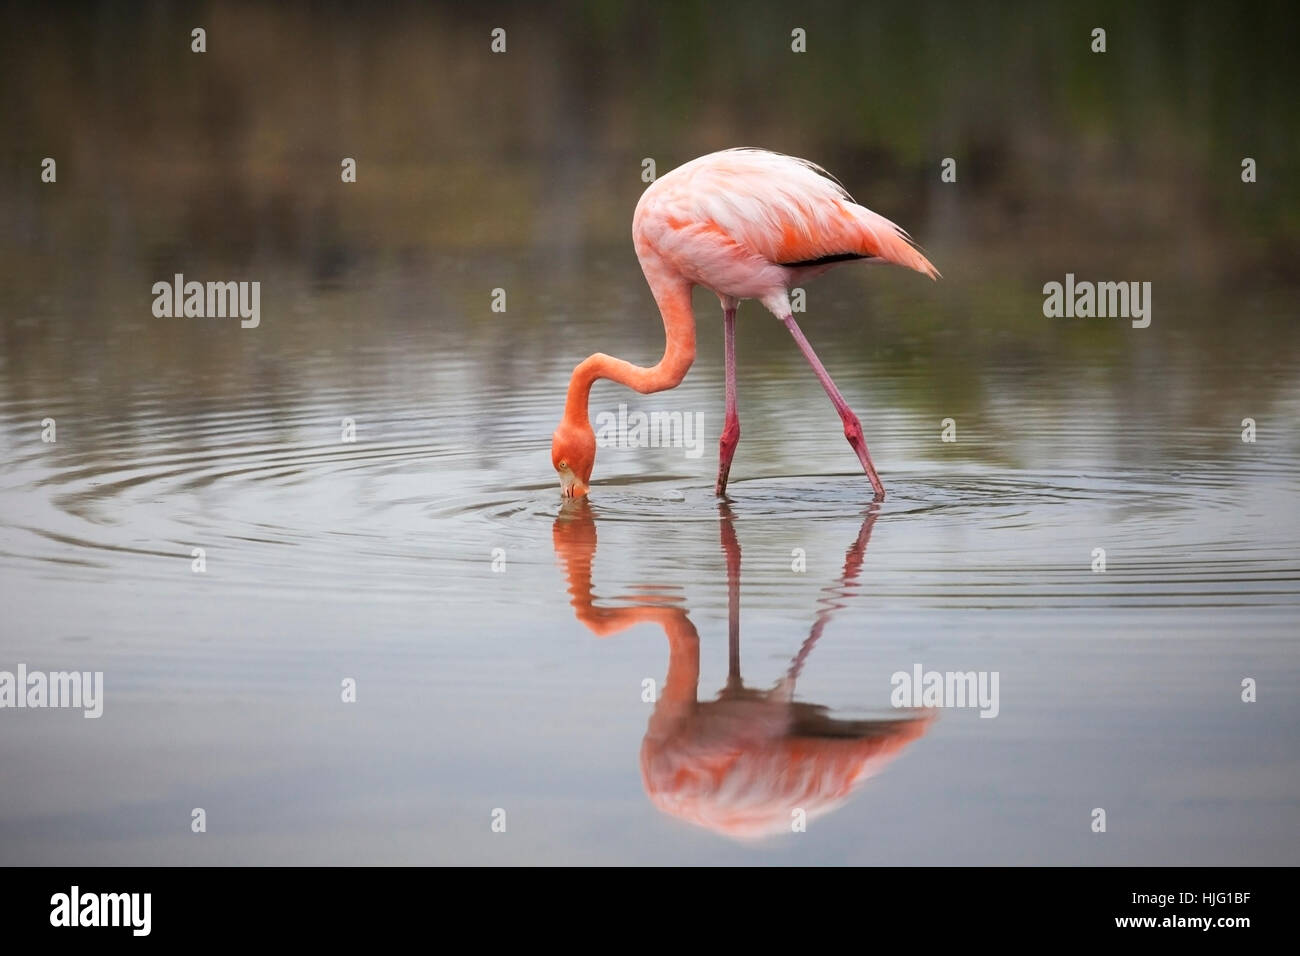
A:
(853, 432)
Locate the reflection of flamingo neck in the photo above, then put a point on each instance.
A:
(574, 537)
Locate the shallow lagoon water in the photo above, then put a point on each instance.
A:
(501, 641)
(433, 561)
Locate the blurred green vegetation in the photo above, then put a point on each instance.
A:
(237, 150)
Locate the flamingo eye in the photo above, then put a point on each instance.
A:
(563, 465)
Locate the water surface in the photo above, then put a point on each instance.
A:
(501, 642)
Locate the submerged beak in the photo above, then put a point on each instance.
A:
(570, 486)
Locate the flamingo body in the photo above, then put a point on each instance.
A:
(746, 224)
(751, 224)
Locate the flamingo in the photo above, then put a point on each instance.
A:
(747, 224)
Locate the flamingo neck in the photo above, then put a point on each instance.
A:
(674, 299)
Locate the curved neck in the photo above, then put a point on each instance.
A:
(574, 538)
(674, 299)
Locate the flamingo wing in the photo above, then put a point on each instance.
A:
(781, 210)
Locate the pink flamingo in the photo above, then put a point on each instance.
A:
(746, 224)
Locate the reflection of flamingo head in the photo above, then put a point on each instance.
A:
(743, 767)
(574, 538)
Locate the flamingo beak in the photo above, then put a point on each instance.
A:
(570, 486)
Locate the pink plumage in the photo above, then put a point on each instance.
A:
(747, 222)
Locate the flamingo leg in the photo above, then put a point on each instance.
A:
(731, 427)
(852, 427)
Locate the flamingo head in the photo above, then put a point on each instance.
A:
(573, 453)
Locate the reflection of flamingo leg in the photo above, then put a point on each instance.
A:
(853, 559)
(731, 549)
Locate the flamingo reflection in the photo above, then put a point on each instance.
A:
(744, 762)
